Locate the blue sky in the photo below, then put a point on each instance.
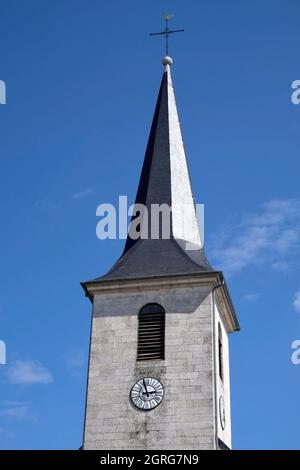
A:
(82, 79)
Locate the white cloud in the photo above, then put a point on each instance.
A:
(28, 373)
(296, 302)
(280, 266)
(12, 403)
(83, 194)
(6, 434)
(269, 236)
(75, 360)
(43, 205)
(16, 410)
(252, 297)
(16, 413)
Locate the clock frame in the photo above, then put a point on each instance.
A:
(146, 394)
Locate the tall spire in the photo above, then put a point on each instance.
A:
(164, 181)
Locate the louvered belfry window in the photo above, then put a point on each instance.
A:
(220, 341)
(151, 333)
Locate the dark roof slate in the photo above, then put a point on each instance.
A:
(148, 257)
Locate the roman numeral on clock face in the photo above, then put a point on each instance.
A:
(146, 394)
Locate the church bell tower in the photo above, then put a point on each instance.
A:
(159, 360)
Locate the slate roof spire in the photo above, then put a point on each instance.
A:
(164, 180)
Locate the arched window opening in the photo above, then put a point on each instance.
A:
(151, 333)
(220, 352)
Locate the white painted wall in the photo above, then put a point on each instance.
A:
(222, 386)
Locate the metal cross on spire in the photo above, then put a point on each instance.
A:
(167, 31)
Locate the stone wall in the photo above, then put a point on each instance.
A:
(185, 418)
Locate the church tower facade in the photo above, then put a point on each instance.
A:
(159, 359)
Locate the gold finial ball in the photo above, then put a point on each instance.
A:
(167, 60)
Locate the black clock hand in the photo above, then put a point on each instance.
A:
(145, 387)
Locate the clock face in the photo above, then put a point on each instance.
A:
(147, 394)
(222, 412)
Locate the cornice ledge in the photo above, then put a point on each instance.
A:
(98, 287)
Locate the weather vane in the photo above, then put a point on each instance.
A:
(167, 31)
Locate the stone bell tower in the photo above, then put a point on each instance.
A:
(159, 361)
